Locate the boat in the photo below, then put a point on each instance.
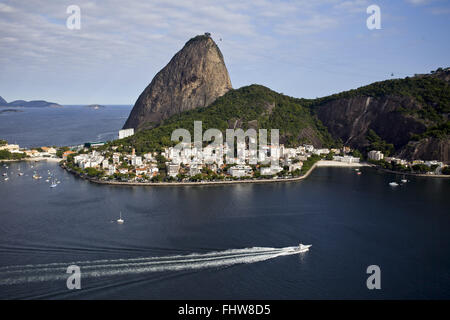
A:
(393, 184)
(53, 185)
(6, 179)
(20, 173)
(358, 173)
(36, 176)
(404, 181)
(356, 169)
(120, 220)
(5, 174)
(301, 248)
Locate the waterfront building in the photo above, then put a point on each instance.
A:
(172, 169)
(240, 171)
(295, 166)
(268, 171)
(346, 159)
(375, 155)
(111, 170)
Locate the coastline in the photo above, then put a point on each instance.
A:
(320, 163)
(37, 159)
(415, 174)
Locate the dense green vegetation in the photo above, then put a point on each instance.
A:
(441, 131)
(432, 93)
(256, 106)
(376, 143)
(6, 155)
(417, 168)
(244, 105)
(61, 150)
(3, 142)
(309, 163)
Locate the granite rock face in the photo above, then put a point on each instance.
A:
(194, 77)
(350, 118)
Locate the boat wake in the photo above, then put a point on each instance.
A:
(101, 268)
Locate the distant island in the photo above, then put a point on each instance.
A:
(29, 104)
(9, 110)
(95, 106)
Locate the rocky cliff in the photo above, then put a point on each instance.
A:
(193, 78)
(411, 113)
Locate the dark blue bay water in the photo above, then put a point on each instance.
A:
(70, 125)
(217, 242)
(351, 221)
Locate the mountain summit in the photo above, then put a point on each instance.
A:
(195, 77)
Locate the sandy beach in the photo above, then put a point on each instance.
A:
(332, 163)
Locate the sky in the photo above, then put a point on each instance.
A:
(302, 48)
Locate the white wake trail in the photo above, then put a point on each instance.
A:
(101, 268)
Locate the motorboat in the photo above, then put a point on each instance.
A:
(404, 181)
(393, 184)
(120, 220)
(301, 248)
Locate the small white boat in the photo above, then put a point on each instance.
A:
(393, 184)
(53, 185)
(301, 248)
(120, 220)
(6, 179)
(20, 173)
(5, 174)
(404, 181)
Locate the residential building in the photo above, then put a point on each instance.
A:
(268, 171)
(126, 133)
(375, 155)
(240, 171)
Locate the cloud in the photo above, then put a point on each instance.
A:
(132, 41)
(5, 8)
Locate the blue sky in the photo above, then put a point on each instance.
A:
(302, 48)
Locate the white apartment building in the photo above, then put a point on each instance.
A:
(240, 171)
(126, 133)
(136, 161)
(172, 169)
(268, 171)
(375, 155)
(346, 159)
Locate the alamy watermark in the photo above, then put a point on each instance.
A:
(73, 22)
(374, 280)
(74, 280)
(374, 20)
